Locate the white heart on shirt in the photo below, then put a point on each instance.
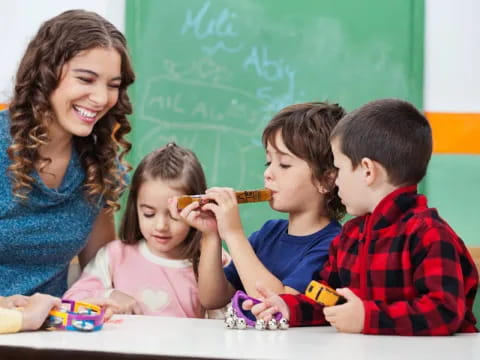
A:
(155, 300)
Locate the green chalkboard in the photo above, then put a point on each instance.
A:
(210, 74)
(452, 183)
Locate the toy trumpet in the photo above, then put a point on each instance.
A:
(245, 196)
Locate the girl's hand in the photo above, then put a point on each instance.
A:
(348, 317)
(195, 216)
(126, 303)
(110, 305)
(226, 212)
(271, 304)
(36, 310)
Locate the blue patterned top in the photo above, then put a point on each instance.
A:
(39, 238)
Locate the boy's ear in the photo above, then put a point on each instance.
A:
(325, 188)
(369, 170)
(321, 188)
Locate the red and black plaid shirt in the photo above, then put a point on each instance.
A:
(413, 273)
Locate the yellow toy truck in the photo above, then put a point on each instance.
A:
(323, 294)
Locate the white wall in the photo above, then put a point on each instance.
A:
(452, 56)
(20, 20)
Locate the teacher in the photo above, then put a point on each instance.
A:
(61, 151)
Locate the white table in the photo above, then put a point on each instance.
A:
(199, 338)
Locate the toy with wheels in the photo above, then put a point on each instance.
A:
(76, 315)
(323, 294)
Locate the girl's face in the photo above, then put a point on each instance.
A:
(88, 88)
(163, 233)
(290, 179)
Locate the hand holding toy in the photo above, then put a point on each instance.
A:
(238, 318)
(76, 315)
(246, 196)
(323, 294)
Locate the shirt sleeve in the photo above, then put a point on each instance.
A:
(96, 279)
(307, 268)
(10, 321)
(439, 305)
(305, 311)
(232, 276)
(226, 258)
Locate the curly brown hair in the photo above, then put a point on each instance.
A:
(170, 163)
(102, 152)
(305, 130)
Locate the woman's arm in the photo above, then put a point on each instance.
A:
(103, 232)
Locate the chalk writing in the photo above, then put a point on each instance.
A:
(204, 26)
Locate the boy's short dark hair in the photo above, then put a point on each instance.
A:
(305, 130)
(391, 132)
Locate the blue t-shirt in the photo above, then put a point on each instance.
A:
(292, 259)
(39, 238)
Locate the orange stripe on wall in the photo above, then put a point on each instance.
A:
(455, 133)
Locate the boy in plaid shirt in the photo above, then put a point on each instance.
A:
(399, 265)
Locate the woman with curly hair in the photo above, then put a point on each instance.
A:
(62, 144)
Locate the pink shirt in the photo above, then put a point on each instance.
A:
(161, 286)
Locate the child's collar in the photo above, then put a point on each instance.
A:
(394, 205)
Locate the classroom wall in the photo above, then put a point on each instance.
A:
(452, 104)
(20, 20)
(215, 79)
(451, 91)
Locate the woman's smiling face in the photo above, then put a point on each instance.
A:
(88, 89)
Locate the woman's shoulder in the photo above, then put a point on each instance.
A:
(4, 136)
(4, 125)
(5, 115)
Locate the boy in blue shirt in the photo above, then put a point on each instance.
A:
(284, 254)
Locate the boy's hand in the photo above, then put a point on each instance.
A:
(126, 303)
(226, 211)
(271, 304)
(36, 310)
(193, 215)
(348, 317)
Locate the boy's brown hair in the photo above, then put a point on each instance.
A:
(391, 132)
(179, 167)
(305, 130)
